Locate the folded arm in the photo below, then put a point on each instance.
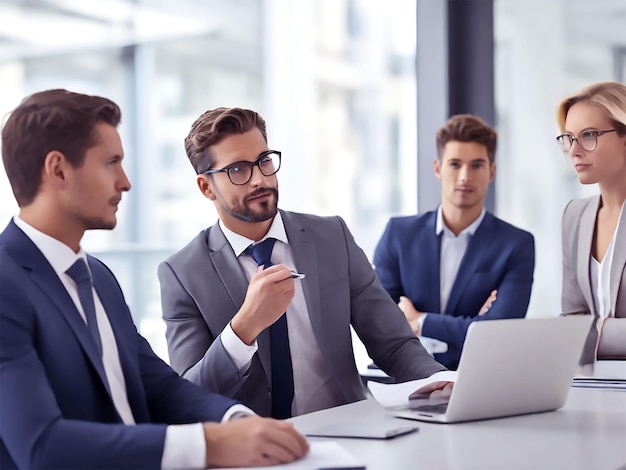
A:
(513, 296)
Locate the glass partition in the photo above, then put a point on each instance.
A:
(334, 79)
(545, 50)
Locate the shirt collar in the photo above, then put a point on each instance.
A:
(59, 255)
(239, 243)
(470, 229)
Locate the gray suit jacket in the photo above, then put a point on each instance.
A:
(578, 227)
(203, 286)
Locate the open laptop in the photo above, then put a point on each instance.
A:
(510, 367)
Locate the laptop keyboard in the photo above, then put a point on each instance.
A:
(439, 408)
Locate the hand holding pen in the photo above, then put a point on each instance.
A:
(296, 275)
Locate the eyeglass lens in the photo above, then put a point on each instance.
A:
(241, 172)
(587, 140)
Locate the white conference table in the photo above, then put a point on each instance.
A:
(589, 432)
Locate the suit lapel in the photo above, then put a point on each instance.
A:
(476, 250)
(618, 264)
(236, 284)
(113, 304)
(305, 258)
(585, 239)
(42, 274)
(430, 256)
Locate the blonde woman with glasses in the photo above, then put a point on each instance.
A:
(593, 126)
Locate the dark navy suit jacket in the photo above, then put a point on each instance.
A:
(55, 407)
(499, 256)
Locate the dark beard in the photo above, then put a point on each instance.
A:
(244, 213)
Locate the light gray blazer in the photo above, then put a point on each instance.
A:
(578, 227)
(203, 286)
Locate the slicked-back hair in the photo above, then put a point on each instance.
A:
(51, 120)
(467, 128)
(609, 96)
(213, 126)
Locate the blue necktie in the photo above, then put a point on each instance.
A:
(282, 372)
(79, 272)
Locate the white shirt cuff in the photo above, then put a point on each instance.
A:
(420, 321)
(184, 446)
(237, 411)
(239, 352)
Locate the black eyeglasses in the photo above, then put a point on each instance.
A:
(241, 172)
(588, 140)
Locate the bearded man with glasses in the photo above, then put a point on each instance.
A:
(242, 321)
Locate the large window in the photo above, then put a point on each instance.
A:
(334, 79)
(545, 50)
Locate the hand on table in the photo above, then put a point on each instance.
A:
(253, 441)
(435, 390)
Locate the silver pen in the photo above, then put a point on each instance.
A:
(295, 274)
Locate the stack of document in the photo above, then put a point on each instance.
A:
(593, 382)
(610, 375)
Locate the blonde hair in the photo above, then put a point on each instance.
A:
(609, 96)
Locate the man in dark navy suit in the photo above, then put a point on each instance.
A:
(79, 387)
(459, 264)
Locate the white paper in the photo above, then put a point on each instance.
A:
(433, 346)
(391, 395)
(608, 384)
(603, 370)
(322, 455)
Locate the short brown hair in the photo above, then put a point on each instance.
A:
(46, 121)
(609, 96)
(213, 126)
(467, 128)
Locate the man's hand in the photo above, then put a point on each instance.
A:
(441, 390)
(487, 305)
(269, 293)
(411, 314)
(252, 442)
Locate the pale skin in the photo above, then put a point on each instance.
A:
(253, 441)
(465, 173)
(71, 200)
(271, 290)
(605, 165)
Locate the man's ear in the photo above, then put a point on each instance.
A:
(205, 184)
(492, 172)
(55, 168)
(437, 168)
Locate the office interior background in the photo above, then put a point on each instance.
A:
(343, 88)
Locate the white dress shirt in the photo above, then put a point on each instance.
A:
(185, 446)
(453, 248)
(600, 274)
(314, 387)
